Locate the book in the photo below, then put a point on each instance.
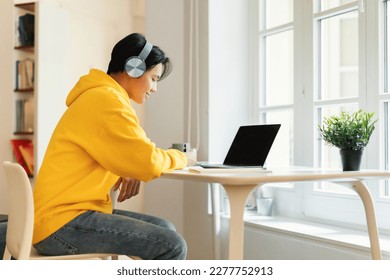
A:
(24, 74)
(26, 30)
(20, 116)
(28, 156)
(27, 146)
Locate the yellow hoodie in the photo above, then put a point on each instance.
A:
(97, 140)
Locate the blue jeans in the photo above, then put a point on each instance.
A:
(122, 232)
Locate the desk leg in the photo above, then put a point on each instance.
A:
(216, 219)
(238, 196)
(361, 189)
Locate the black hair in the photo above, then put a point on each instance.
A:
(132, 45)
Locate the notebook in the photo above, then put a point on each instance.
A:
(249, 148)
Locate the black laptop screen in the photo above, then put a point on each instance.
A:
(251, 145)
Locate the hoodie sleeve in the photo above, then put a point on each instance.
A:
(110, 133)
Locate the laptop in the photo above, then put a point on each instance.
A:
(249, 148)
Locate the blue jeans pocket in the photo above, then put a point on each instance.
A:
(54, 245)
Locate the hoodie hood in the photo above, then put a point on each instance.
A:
(96, 78)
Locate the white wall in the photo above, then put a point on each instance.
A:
(229, 74)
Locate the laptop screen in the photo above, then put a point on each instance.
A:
(251, 145)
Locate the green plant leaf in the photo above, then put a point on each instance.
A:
(348, 131)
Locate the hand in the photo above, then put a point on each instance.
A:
(128, 188)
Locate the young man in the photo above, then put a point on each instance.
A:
(98, 145)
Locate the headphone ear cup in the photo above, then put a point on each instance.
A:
(135, 67)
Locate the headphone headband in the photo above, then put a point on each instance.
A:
(146, 51)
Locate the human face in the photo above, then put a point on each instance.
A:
(139, 89)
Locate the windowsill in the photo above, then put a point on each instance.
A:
(318, 232)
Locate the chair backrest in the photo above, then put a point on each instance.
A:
(21, 211)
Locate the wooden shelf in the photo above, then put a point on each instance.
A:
(25, 48)
(23, 133)
(25, 90)
(26, 6)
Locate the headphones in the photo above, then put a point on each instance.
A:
(135, 66)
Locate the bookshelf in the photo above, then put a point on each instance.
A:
(24, 86)
(41, 95)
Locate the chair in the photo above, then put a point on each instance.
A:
(21, 220)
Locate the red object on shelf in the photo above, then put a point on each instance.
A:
(25, 159)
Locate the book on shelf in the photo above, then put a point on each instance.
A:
(20, 115)
(26, 29)
(24, 116)
(24, 154)
(24, 74)
(27, 152)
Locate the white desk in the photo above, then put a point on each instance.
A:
(239, 185)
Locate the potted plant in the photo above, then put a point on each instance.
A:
(350, 132)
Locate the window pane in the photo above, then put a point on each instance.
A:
(278, 12)
(279, 72)
(385, 186)
(385, 191)
(386, 36)
(329, 4)
(281, 153)
(339, 56)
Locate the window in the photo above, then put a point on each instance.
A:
(317, 58)
(336, 47)
(276, 75)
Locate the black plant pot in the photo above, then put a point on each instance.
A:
(351, 159)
